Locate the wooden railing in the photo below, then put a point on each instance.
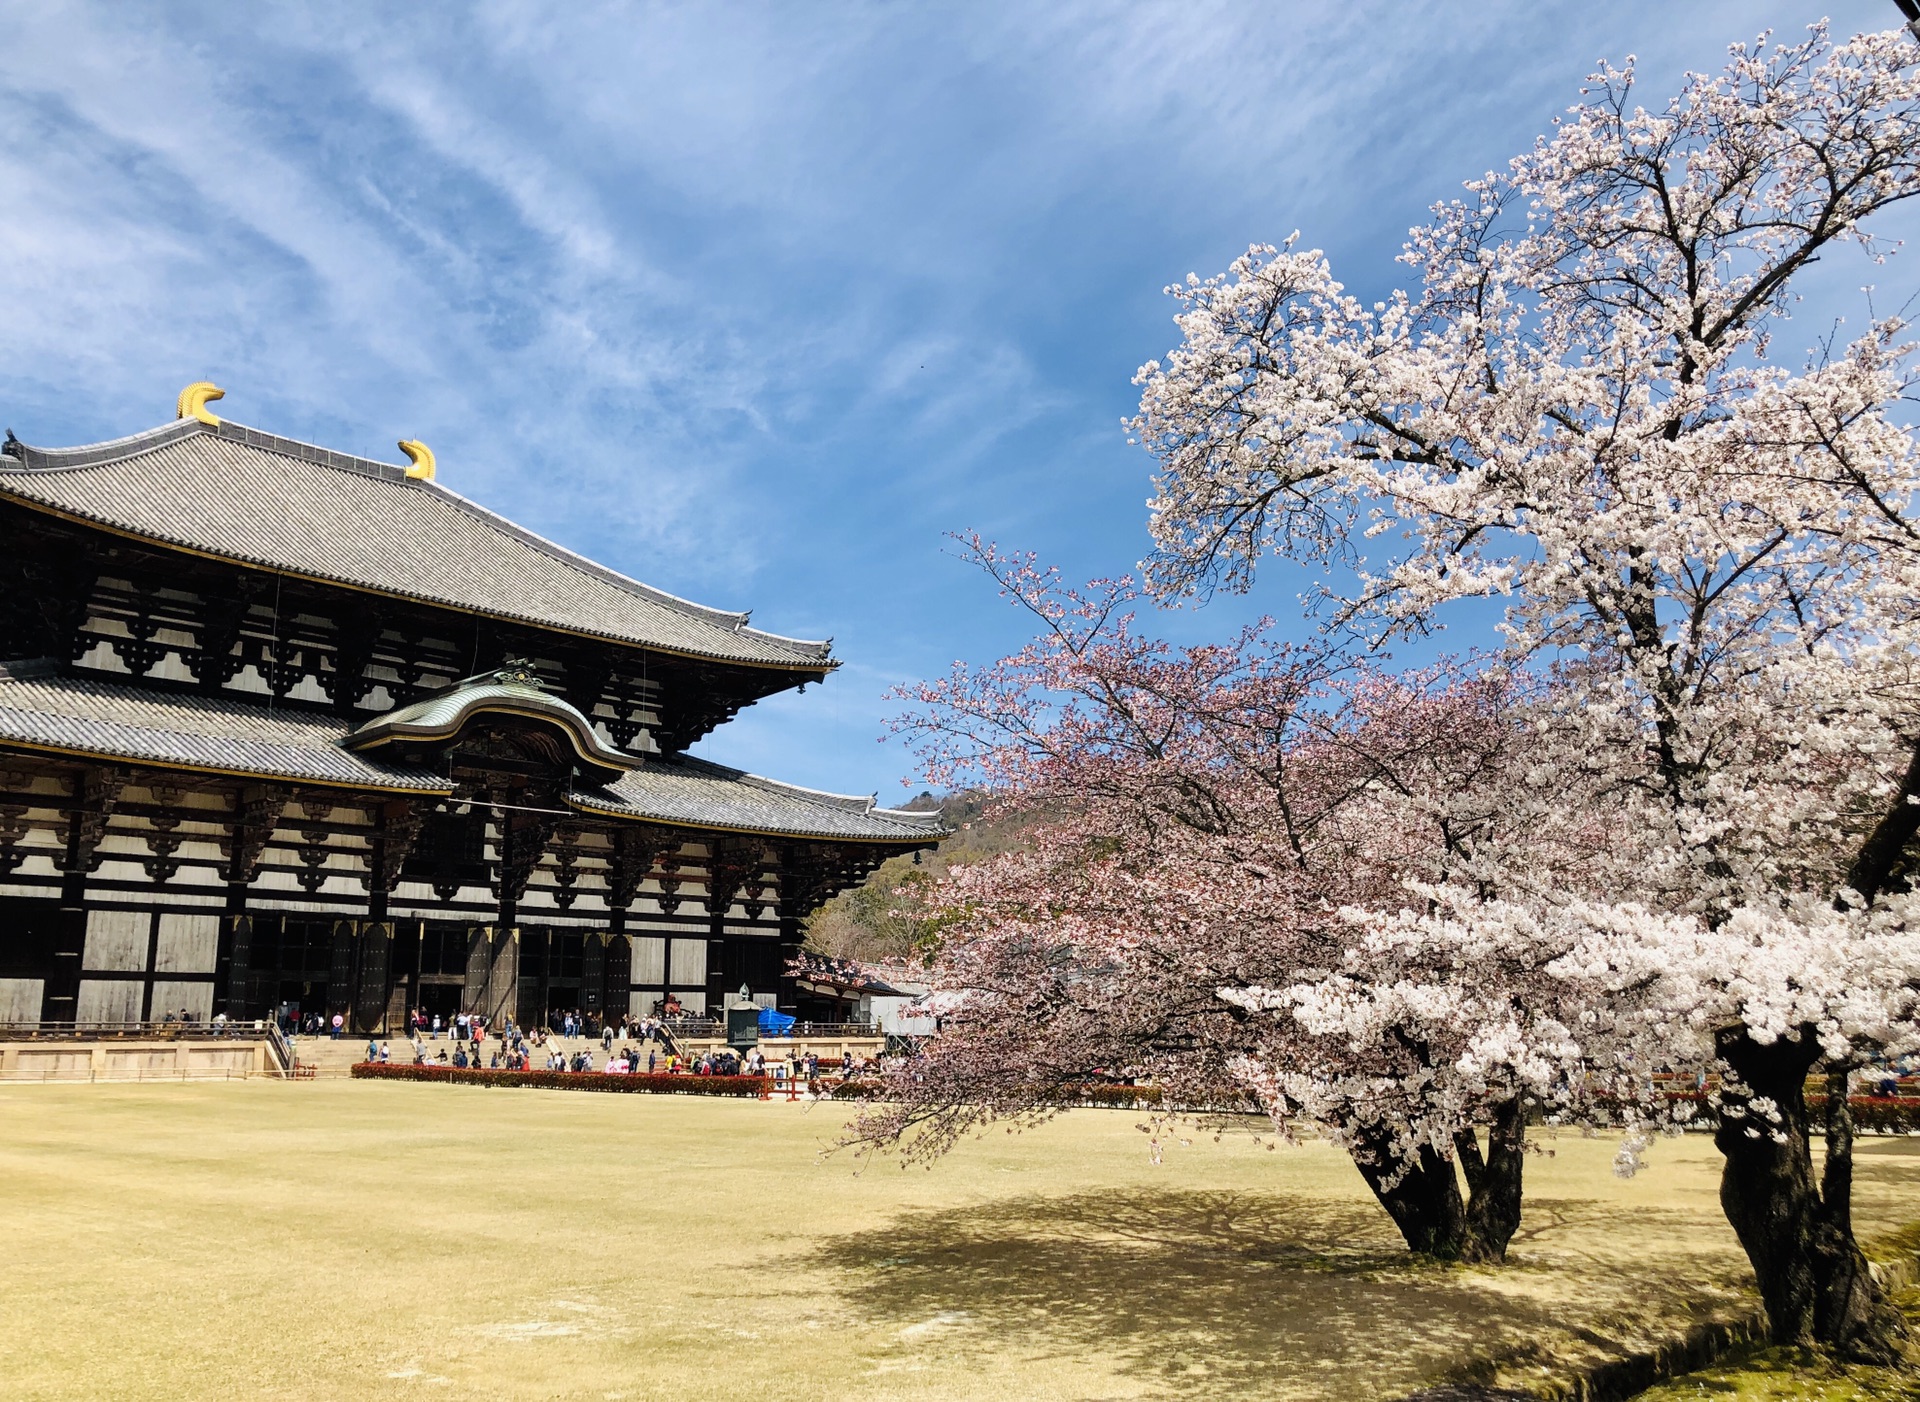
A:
(708, 1027)
(263, 1029)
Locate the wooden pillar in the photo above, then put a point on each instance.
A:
(791, 938)
(508, 909)
(340, 975)
(473, 994)
(717, 971)
(257, 809)
(376, 944)
(371, 988)
(229, 977)
(593, 966)
(60, 997)
(503, 978)
(231, 981)
(619, 966)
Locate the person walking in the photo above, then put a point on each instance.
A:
(338, 1023)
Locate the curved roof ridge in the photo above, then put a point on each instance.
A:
(731, 618)
(444, 714)
(310, 452)
(858, 803)
(35, 459)
(855, 803)
(685, 789)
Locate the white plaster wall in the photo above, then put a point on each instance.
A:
(109, 1000)
(689, 964)
(189, 944)
(20, 999)
(171, 995)
(116, 939)
(101, 657)
(649, 960)
(171, 667)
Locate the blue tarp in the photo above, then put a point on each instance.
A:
(774, 1024)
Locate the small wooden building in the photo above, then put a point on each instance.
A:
(288, 730)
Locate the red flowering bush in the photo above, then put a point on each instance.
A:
(1872, 1114)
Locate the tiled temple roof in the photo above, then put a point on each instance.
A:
(105, 720)
(238, 494)
(697, 793)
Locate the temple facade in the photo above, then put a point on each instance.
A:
(288, 730)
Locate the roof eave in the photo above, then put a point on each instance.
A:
(812, 657)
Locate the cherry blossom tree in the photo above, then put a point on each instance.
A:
(1578, 408)
(1208, 828)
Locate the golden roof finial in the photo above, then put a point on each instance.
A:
(421, 458)
(193, 402)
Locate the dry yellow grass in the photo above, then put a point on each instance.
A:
(341, 1240)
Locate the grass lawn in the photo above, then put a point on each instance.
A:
(352, 1240)
(1795, 1375)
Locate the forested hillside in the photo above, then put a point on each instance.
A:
(864, 922)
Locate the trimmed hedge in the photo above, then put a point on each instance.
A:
(1102, 1093)
(1872, 1114)
(1875, 1114)
(641, 1083)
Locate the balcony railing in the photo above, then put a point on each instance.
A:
(148, 1031)
(707, 1027)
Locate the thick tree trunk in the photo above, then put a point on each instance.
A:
(1424, 1203)
(1493, 1183)
(1813, 1277)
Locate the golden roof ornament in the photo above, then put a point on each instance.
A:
(420, 458)
(193, 402)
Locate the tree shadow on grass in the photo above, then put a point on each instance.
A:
(1276, 1293)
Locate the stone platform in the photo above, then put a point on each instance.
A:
(138, 1059)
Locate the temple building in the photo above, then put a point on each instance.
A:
(287, 730)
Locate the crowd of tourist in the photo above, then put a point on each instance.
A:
(628, 1047)
(460, 1027)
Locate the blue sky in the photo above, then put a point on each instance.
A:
(754, 302)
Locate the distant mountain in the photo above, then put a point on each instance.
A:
(864, 922)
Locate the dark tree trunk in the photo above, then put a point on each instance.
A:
(1424, 1203)
(1493, 1183)
(1813, 1277)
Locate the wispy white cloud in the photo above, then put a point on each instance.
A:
(751, 301)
